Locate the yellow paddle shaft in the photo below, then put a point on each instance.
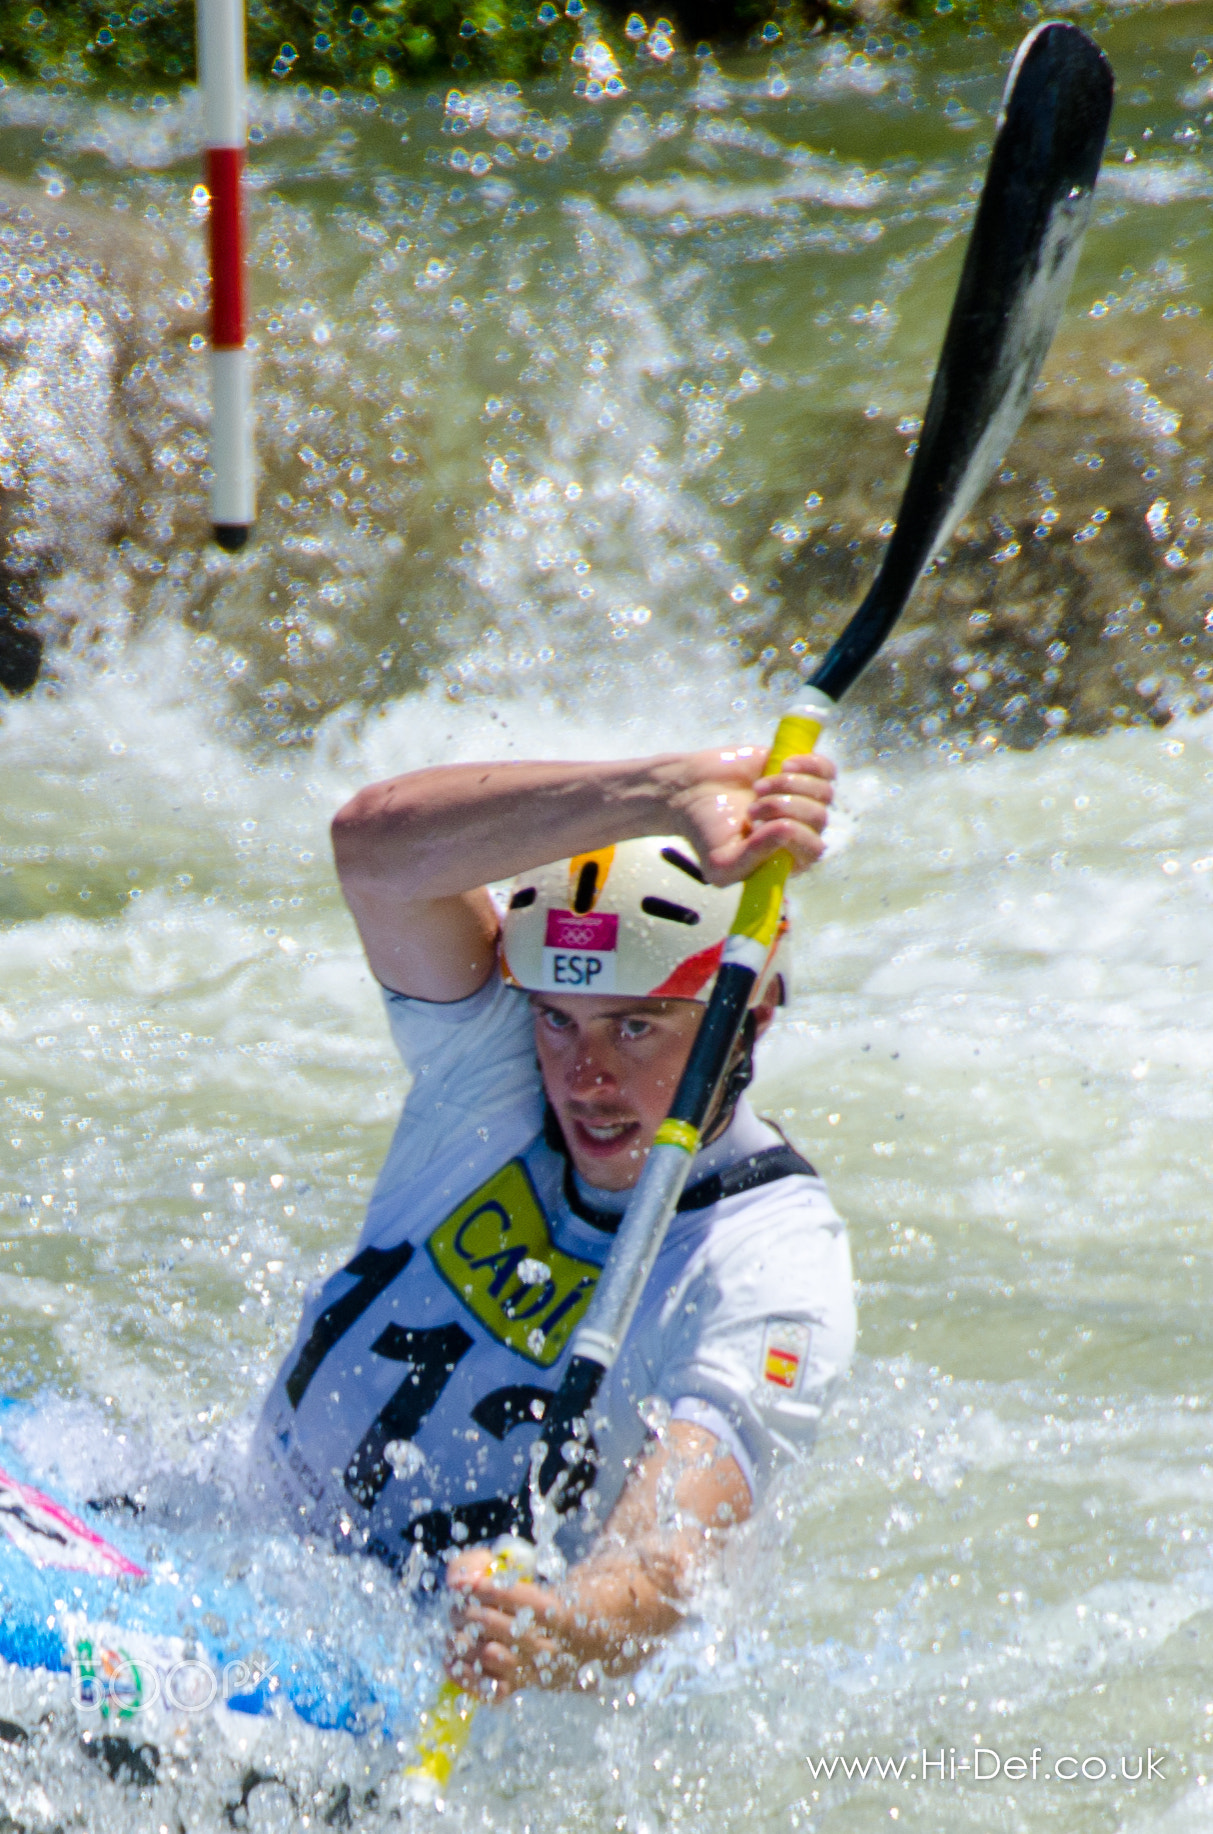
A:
(761, 903)
(445, 1730)
(447, 1725)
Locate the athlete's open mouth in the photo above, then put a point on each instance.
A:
(599, 1139)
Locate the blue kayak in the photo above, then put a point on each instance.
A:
(156, 1623)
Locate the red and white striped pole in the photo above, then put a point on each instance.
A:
(222, 74)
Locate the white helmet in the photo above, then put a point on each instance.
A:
(632, 919)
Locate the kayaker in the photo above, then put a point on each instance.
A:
(545, 1042)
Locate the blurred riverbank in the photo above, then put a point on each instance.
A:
(536, 371)
(380, 45)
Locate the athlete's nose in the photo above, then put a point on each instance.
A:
(589, 1070)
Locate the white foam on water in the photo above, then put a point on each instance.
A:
(1157, 181)
(1022, 1138)
(813, 180)
(152, 133)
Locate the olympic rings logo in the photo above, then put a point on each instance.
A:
(578, 935)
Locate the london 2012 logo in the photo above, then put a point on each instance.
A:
(598, 930)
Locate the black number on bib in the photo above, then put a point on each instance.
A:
(432, 1355)
(374, 1269)
(521, 1404)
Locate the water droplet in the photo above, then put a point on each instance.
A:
(404, 1457)
(655, 1413)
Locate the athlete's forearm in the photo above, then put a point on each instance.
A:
(414, 853)
(611, 1611)
(614, 1609)
(436, 833)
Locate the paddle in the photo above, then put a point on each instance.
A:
(1021, 258)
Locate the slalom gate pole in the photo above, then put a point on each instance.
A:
(221, 65)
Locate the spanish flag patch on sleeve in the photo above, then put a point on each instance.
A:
(785, 1348)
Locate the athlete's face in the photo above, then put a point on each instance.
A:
(610, 1067)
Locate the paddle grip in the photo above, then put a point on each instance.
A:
(762, 896)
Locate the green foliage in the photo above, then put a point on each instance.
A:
(370, 46)
(376, 44)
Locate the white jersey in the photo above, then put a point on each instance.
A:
(407, 1409)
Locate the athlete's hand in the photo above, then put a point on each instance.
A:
(505, 1634)
(611, 1609)
(735, 817)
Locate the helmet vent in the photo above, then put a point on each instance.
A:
(674, 858)
(673, 913)
(587, 885)
(523, 898)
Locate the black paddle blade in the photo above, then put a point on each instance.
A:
(1017, 271)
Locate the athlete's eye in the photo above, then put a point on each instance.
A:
(634, 1028)
(555, 1021)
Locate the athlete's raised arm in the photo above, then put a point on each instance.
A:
(616, 1604)
(414, 853)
